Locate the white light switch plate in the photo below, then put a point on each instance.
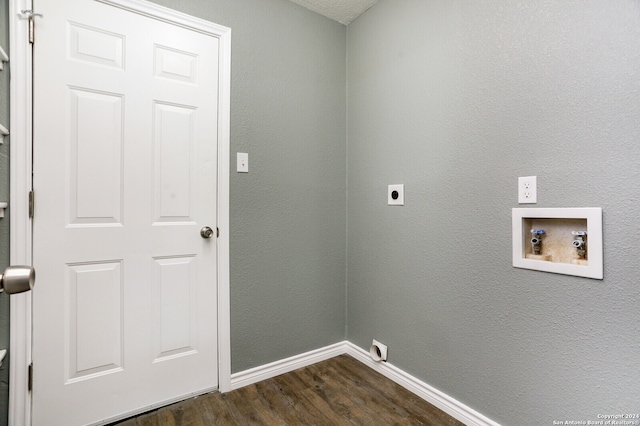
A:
(243, 162)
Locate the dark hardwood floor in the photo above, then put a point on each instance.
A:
(339, 391)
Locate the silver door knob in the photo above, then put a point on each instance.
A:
(206, 232)
(17, 279)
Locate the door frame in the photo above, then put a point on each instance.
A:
(21, 238)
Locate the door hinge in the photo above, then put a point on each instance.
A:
(217, 232)
(30, 14)
(30, 377)
(32, 30)
(31, 204)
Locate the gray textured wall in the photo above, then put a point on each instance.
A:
(456, 99)
(288, 215)
(4, 196)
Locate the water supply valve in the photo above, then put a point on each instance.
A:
(580, 243)
(536, 240)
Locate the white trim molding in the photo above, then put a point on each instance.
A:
(446, 403)
(20, 224)
(433, 396)
(267, 371)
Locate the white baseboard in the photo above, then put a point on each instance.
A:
(286, 365)
(449, 405)
(433, 396)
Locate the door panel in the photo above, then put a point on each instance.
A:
(174, 305)
(125, 143)
(94, 319)
(175, 147)
(96, 147)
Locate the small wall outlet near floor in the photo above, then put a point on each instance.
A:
(527, 190)
(378, 351)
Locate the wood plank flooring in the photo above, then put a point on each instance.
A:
(339, 391)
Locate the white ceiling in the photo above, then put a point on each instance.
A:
(343, 11)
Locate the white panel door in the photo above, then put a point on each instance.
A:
(125, 145)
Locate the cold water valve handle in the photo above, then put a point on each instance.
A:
(536, 240)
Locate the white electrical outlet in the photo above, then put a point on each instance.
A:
(527, 190)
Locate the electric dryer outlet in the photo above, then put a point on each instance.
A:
(395, 195)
